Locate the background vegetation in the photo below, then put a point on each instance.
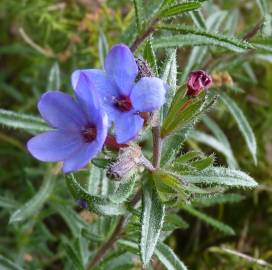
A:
(41, 43)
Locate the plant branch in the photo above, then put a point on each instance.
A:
(141, 38)
(157, 144)
(102, 251)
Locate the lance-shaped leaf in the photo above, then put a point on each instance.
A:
(54, 78)
(138, 6)
(182, 111)
(32, 206)
(7, 264)
(120, 191)
(198, 37)
(151, 222)
(220, 176)
(166, 255)
(169, 188)
(168, 258)
(209, 220)
(242, 124)
(217, 199)
(102, 48)
(150, 57)
(97, 204)
(169, 75)
(179, 9)
(29, 123)
(216, 144)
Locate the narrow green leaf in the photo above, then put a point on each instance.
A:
(138, 7)
(198, 19)
(32, 206)
(185, 158)
(29, 123)
(222, 138)
(171, 146)
(121, 191)
(74, 222)
(263, 6)
(209, 220)
(7, 264)
(203, 163)
(181, 113)
(120, 260)
(151, 222)
(174, 221)
(98, 204)
(207, 201)
(73, 255)
(191, 36)
(168, 258)
(102, 47)
(180, 8)
(54, 78)
(242, 124)
(94, 180)
(150, 57)
(220, 176)
(169, 76)
(215, 144)
(6, 202)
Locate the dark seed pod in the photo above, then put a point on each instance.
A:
(144, 70)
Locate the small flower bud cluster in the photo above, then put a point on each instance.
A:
(128, 161)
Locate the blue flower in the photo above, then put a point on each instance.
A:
(79, 125)
(123, 98)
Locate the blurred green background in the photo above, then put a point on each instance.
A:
(41, 40)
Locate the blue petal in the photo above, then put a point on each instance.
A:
(120, 65)
(81, 158)
(103, 85)
(148, 94)
(54, 145)
(88, 98)
(61, 111)
(127, 127)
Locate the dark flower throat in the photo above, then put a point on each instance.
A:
(123, 104)
(89, 133)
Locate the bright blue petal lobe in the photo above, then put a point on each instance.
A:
(88, 98)
(81, 158)
(120, 65)
(55, 145)
(148, 94)
(61, 111)
(127, 127)
(106, 89)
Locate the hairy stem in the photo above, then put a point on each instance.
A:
(157, 144)
(141, 38)
(102, 251)
(108, 244)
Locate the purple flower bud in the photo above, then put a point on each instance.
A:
(82, 203)
(197, 81)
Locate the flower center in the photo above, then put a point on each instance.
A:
(123, 103)
(89, 133)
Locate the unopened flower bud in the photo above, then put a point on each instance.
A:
(144, 70)
(197, 81)
(126, 164)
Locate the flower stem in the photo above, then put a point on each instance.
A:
(141, 38)
(102, 251)
(157, 144)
